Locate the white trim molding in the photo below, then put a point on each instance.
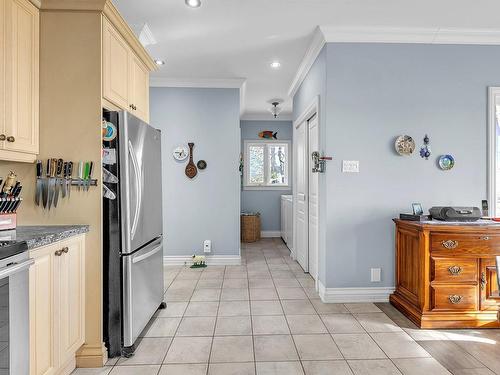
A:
(353, 295)
(283, 116)
(211, 260)
(270, 234)
(493, 97)
(213, 83)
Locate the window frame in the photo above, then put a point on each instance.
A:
(246, 170)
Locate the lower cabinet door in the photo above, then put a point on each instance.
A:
(490, 298)
(71, 298)
(43, 357)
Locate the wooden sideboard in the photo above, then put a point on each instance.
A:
(446, 274)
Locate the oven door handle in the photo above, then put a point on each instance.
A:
(15, 268)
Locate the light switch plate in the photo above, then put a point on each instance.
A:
(376, 275)
(350, 166)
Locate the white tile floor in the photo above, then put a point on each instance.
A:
(265, 318)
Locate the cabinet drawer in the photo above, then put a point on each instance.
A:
(454, 270)
(465, 244)
(454, 297)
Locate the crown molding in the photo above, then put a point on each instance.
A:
(332, 34)
(212, 83)
(283, 116)
(317, 43)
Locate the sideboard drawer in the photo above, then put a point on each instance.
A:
(465, 244)
(454, 270)
(454, 297)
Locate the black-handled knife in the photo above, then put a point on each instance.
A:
(69, 178)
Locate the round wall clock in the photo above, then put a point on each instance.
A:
(180, 153)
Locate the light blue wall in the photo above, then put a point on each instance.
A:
(267, 202)
(376, 92)
(208, 206)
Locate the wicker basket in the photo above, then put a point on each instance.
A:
(250, 227)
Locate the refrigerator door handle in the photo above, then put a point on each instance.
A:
(147, 255)
(138, 186)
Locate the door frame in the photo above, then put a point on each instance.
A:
(312, 109)
(493, 94)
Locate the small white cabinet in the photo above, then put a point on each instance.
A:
(287, 220)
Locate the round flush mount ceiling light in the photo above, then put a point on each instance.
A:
(159, 62)
(193, 3)
(275, 64)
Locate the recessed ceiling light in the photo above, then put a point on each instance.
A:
(275, 64)
(193, 3)
(159, 62)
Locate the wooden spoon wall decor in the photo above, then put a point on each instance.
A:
(191, 170)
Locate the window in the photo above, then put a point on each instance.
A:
(266, 164)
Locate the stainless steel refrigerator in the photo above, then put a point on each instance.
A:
(133, 247)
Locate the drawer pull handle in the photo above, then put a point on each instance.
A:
(483, 280)
(455, 299)
(58, 253)
(455, 270)
(65, 249)
(485, 238)
(11, 139)
(450, 244)
(3, 137)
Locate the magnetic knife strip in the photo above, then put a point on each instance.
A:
(59, 179)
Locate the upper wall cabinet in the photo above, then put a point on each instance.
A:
(126, 77)
(19, 56)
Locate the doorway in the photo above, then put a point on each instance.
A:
(494, 151)
(306, 191)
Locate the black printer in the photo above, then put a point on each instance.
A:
(447, 213)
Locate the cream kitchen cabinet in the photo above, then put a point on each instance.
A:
(19, 82)
(57, 306)
(125, 77)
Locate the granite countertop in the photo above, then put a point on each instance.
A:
(37, 236)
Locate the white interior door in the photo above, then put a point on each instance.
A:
(301, 195)
(313, 198)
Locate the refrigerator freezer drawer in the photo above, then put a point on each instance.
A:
(142, 289)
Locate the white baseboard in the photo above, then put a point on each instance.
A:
(211, 260)
(270, 233)
(352, 295)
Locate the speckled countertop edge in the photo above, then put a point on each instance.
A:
(37, 236)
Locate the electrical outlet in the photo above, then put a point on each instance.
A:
(350, 166)
(376, 275)
(207, 246)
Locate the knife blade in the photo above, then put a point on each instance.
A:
(45, 186)
(69, 180)
(86, 176)
(80, 175)
(58, 180)
(64, 185)
(52, 181)
(38, 190)
(91, 166)
(16, 205)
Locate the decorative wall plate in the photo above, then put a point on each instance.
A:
(446, 162)
(202, 164)
(108, 131)
(404, 145)
(180, 153)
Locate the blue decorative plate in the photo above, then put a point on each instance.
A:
(446, 162)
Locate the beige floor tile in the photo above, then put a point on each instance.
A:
(261, 283)
(306, 283)
(236, 275)
(450, 355)
(234, 308)
(287, 283)
(399, 345)
(291, 293)
(188, 276)
(235, 294)
(235, 283)
(305, 324)
(274, 348)
(374, 367)
(183, 284)
(184, 369)
(342, 323)
(282, 275)
(178, 295)
(206, 295)
(266, 308)
(213, 283)
(328, 308)
(279, 368)
(150, 351)
(311, 293)
(196, 326)
(270, 325)
(298, 307)
(173, 310)
(338, 367)
(377, 322)
(163, 327)
(92, 371)
(189, 350)
(478, 344)
(232, 349)
(359, 308)
(111, 361)
(202, 309)
(263, 294)
(134, 370)
(232, 368)
(473, 371)
(233, 325)
(420, 366)
(358, 346)
(316, 347)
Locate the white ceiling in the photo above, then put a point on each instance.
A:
(237, 39)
